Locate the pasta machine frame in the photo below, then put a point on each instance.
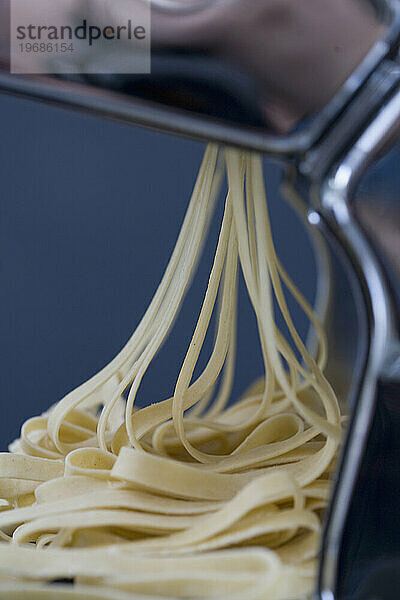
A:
(324, 163)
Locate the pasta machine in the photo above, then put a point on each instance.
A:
(202, 92)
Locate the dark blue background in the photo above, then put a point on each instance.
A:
(90, 211)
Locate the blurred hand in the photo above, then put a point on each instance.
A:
(300, 50)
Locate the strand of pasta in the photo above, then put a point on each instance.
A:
(187, 497)
(199, 201)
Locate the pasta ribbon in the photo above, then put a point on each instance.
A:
(191, 496)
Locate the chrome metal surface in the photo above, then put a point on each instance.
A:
(328, 158)
(122, 98)
(344, 132)
(333, 197)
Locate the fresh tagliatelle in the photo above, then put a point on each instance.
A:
(189, 497)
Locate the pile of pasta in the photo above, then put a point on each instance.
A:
(192, 496)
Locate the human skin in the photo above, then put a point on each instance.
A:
(300, 51)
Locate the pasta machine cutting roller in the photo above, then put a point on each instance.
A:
(207, 90)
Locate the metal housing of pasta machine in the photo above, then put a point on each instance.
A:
(325, 160)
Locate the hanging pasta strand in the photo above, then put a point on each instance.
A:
(193, 496)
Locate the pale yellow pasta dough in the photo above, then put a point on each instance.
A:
(192, 496)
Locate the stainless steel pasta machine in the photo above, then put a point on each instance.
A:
(200, 91)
